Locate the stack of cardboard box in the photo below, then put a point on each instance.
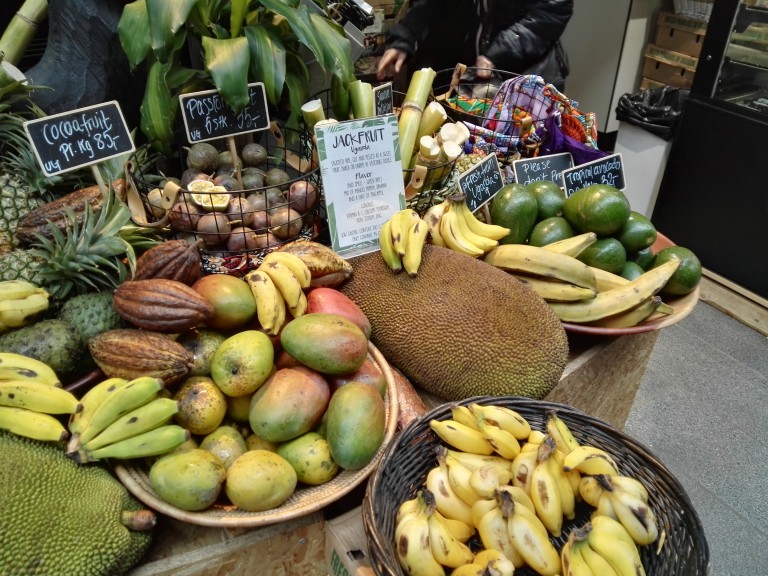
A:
(674, 54)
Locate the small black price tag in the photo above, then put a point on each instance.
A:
(481, 182)
(383, 99)
(71, 140)
(207, 117)
(528, 170)
(608, 170)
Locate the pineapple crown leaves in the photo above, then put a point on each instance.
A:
(88, 256)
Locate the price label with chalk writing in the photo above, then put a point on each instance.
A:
(383, 99)
(207, 117)
(481, 182)
(550, 167)
(607, 170)
(71, 140)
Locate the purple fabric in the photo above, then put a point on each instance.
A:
(556, 141)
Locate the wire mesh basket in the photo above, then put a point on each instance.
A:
(238, 221)
(425, 185)
(699, 9)
(403, 469)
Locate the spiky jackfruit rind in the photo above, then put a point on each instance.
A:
(60, 517)
(461, 327)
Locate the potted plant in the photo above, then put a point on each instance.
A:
(190, 45)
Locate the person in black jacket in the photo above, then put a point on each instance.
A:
(521, 37)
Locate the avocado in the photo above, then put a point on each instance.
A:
(60, 517)
(461, 327)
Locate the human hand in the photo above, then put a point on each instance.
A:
(391, 63)
(483, 68)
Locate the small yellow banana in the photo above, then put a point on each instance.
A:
(596, 563)
(485, 243)
(577, 565)
(590, 490)
(492, 231)
(432, 217)
(636, 516)
(401, 221)
(619, 299)
(157, 441)
(16, 289)
(555, 290)
(19, 367)
(502, 441)
(387, 248)
(488, 479)
(459, 479)
(461, 437)
(451, 234)
(522, 469)
(31, 424)
(288, 284)
(463, 414)
(559, 432)
(412, 546)
(38, 397)
(296, 265)
(628, 484)
(519, 496)
(590, 460)
(504, 418)
(564, 488)
(545, 495)
(494, 562)
(492, 528)
(474, 461)
(446, 548)
(446, 500)
(270, 304)
(532, 542)
(20, 312)
(414, 248)
(622, 556)
(460, 530)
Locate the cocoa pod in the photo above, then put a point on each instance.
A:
(161, 305)
(173, 259)
(130, 353)
(36, 221)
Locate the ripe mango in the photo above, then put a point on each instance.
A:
(190, 480)
(331, 301)
(291, 402)
(327, 343)
(260, 480)
(310, 457)
(355, 424)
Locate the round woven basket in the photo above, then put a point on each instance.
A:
(305, 500)
(406, 462)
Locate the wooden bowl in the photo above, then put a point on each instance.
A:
(305, 500)
(682, 306)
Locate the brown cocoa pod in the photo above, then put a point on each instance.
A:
(173, 259)
(130, 353)
(161, 305)
(36, 221)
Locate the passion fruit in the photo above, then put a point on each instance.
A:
(285, 222)
(253, 154)
(240, 210)
(277, 177)
(243, 239)
(202, 157)
(302, 195)
(214, 228)
(185, 216)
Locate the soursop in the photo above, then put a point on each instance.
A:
(60, 517)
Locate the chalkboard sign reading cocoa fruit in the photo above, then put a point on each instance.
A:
(550, 167)
(207, 117)
(481, 182)
(383, 99)
(607, 170)
(77, 138)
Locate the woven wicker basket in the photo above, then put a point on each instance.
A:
(305, 500)
(407, 461)
(700, 9)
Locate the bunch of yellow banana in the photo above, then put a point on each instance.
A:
(20, 302)
(124, 419)
(401, 241)
(580, 293)
(278, 286)
(453, 225)
(602, 548)
(32, 399)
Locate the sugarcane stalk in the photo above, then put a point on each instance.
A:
(22, 29)
(432, 119)
(410, 114)
(312, 112)
(361, 97)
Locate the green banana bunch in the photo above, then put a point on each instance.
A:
(20, 302)
(124, 419)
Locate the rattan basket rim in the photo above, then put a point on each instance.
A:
(304, 501)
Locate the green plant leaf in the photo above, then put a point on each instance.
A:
(335, 45)
(158, 109)
(238, 11)
(165, 20)
(133, 32)
(299, 22)
(227, 60)
(267, 59)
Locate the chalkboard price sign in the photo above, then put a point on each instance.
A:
(70, 140)
(607, 170)
(528, 170)
(207, 117)
(481, 182)
(383, 99)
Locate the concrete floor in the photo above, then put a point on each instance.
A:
(702, 408)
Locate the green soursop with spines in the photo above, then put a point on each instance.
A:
(91, 314)
(60, 517)
(52, 341)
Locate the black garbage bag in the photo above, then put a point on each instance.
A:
(654, 109)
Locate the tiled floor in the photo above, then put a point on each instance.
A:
(702, 408)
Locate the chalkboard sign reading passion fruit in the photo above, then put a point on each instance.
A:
(481, 182)
(78, 138)
(207, 117)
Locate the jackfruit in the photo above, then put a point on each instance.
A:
(461, 327)
(60, 517)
